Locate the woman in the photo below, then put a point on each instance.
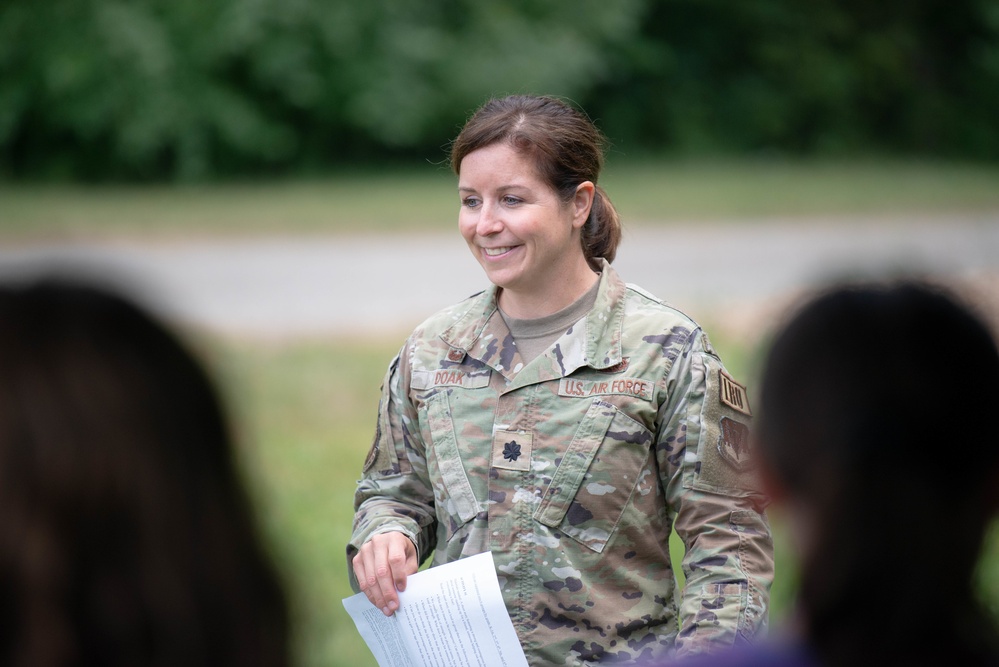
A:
(565, 422)
(126, 537)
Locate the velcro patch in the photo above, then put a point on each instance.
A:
(733, 394)
(618, 386)
(733, 444)
(619, 367)
(451, 377)
(512, 450)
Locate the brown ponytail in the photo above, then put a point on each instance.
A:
(602, 231)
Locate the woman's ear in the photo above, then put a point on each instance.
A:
(582, 202)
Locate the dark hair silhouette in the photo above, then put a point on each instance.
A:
(125, 534)
(566, 148)
(877, 417)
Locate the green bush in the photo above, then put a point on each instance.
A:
(190, 90)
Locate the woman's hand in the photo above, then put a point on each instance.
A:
(381, 567)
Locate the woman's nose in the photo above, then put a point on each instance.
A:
(490, 221)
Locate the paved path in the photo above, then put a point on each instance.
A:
(361, 285)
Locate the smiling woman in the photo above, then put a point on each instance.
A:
(526, 240)
(564, 421)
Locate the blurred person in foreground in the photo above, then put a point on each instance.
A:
(876, 434)
(126, 537)
(565, 421)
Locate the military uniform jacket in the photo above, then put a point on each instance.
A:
(572, 469)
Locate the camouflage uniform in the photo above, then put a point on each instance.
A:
(572, 469)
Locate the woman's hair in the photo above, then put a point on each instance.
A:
(566, 149)
(876, 416)
(126, 537)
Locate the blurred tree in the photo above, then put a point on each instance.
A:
(826, 77)
(188, 88)
(191, 89)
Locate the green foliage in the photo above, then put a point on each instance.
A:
(828, 77)
(190, 90)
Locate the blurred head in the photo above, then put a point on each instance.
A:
(564, 149)
(876, 426)
(125, 534)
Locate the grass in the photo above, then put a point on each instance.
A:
(424, 199)
(747, 190)
(308, 410)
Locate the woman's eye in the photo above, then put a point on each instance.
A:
(510, 200)
(470, 202)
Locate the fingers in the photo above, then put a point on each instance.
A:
(381, 567)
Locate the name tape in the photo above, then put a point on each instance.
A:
(618, 386)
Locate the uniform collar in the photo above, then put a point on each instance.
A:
(595, 341)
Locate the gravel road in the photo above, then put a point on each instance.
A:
(364, 285)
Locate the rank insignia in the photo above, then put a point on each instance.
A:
(733, 394)
(733, 444)
(511, 451)
(455, 355)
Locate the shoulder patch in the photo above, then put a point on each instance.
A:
(733, 394)
(733, 444)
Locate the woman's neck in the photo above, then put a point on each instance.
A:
(533, 305)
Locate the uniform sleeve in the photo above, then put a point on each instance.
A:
(394, 493)
(716, 503)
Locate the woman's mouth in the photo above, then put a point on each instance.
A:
(496, 252)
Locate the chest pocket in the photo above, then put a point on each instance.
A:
(447, 389)
(608, 457)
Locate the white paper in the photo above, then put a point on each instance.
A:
(451, 615)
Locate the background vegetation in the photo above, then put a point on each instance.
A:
(190, 90)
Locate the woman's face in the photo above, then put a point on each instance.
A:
(526, 240)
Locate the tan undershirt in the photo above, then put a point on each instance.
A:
(534, 336)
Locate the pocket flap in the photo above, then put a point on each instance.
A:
(575, 463)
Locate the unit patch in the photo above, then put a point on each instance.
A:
(733, 444)
(733, 394)
(622, 386)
